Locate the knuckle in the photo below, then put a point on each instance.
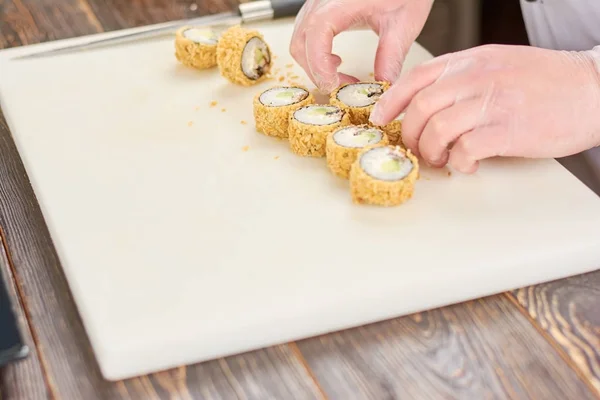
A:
(437, 126)
(464, 145)
(421, 104)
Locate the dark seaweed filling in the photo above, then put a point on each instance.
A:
(259, 70)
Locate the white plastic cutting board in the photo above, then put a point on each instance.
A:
(181, 247)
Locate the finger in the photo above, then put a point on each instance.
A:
(347, 78)
(297, 47)
(430, 101)
(391, 52)
(327, 22)
(397, 31)
(476, 145)
(399, 95)
(445, 127)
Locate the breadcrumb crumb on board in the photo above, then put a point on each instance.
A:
(243, 122)
(245, 148)
(289, 65)
(223, 109)
(213, 103)
(190, 123)
(276, 158)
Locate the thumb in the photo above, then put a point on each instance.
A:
(397, 31)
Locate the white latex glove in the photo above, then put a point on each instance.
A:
(497, 100)
(397, 22)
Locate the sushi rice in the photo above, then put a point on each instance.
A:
(243, 56)
(383, 176)
(196, 47)
(344, 144)
(358, 99)
(273, 107)
(310, 125)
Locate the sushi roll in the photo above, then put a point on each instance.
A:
(196, 47)
(344, 144)
(358, 99)
(310, 125)
(383, 176)
(273, 107)
(393, 130)
(243, 56)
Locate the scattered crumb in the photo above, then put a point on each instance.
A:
(274, 57)
(245, 148)
(276, 158)
(190, 123)
(193, 7)
(294, 77)
(289, 65)
(196, 108)
(371, 75)
(223, 109)
(289, 74)
(449, 173)
(213, 103)
(276, 71)
(281, 79)
(243, 122)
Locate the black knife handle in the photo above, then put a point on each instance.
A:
(286, 8)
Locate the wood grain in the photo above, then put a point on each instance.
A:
(34, 21)
(483, 349)
(569, 312)
(23, 379)
(117, 14)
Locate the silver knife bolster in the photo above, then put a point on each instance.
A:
(259, 10)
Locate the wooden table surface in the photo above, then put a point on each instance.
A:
(540, 342)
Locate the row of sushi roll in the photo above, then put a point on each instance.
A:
(242, 55)
(379, 169)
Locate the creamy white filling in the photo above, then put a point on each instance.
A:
(319, 114)
(282, 96)
(255, 58)
(357, 136)
(360, 94)
(386, 164)
(201, 36)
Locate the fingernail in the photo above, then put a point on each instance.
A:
(376, 116)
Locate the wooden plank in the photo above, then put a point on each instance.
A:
(483, 349)
(33, 21)
(72, 372)
(568, 311)
(23, 379)
(117, 14)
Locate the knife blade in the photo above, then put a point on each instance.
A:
(257, 10)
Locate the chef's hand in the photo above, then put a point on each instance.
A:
(397, 22)
(497, 101)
